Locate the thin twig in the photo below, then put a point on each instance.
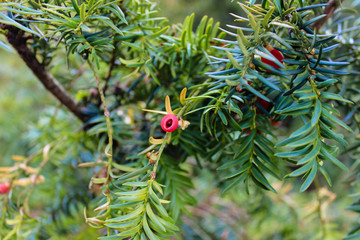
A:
(111, 67)
(109, 147)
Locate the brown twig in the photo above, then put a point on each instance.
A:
(17, 39)
(111, 67)
(329, 10)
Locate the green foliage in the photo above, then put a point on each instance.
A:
(301, 93)
(227, 88)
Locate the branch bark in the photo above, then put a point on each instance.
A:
(329, 10)
(17, 39)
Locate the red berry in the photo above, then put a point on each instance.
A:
(275, 124)
(263, 103)
(277, 54)
(4, 188)
(266, 105)
(169, 123)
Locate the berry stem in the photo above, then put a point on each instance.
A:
(162, 147)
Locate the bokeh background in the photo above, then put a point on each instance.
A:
(176, 10)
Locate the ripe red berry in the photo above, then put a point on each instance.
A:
(266, 105)
(169, 123)
(4, 188)
(276, 53)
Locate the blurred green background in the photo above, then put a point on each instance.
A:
(177, 10)
(22, 101)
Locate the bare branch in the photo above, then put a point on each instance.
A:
(17, 39)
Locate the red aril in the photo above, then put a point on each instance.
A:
(266, 105)
(4, 188)
(276, 53)
(169, 123)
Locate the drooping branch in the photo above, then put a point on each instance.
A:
(17, 39)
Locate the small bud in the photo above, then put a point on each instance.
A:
(238, 88)
(152, 161)
(153, 158)
(183, 124)
(269, 48)
(252, 66)
(153, 175)
(312, 52)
